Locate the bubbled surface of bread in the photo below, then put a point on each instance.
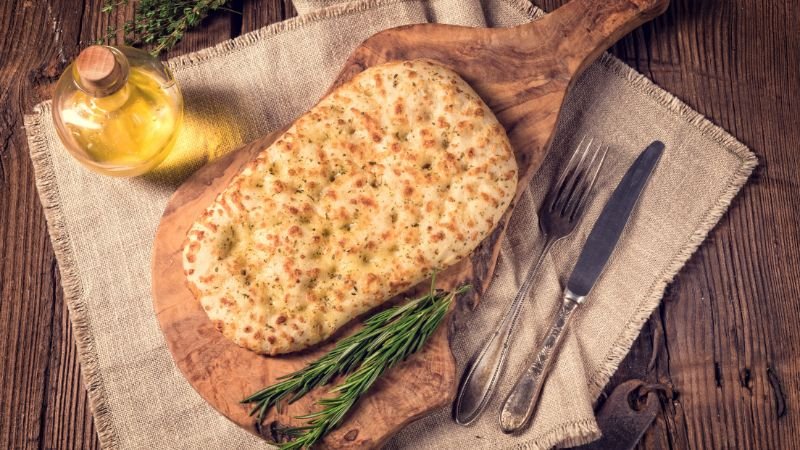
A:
(399, 172)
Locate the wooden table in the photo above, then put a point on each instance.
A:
(726, 337)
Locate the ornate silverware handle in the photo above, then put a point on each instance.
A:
(483, 373)
(520, 403)
(559, 213)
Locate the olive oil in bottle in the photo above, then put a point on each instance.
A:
(117, 110)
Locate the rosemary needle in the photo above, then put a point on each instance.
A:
(387, 338)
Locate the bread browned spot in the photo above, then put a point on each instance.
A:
(401, 171)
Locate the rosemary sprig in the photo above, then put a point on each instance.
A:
(161, 23)
(387, 338)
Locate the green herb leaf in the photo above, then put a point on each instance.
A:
(161, 23)
(387, 338)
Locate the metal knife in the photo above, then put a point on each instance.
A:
(519, 405)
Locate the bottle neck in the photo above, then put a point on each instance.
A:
(101, 71)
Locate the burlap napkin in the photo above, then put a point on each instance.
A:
(102, 228)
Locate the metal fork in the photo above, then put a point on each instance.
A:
(560, 211)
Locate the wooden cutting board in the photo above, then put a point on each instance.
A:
(523, 74)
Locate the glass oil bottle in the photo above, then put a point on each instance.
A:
(117, 110)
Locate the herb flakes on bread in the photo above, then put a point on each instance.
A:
(398, 172)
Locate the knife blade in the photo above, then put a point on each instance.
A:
(518, 407)
(609, 226)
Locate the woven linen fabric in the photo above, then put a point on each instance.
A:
(102, 228)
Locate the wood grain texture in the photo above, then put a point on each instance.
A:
(524, 84)
(206, 358)
(726, 335)
(733, 307)
(43, 402)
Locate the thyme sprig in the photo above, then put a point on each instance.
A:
(160, 23)
(387, 338)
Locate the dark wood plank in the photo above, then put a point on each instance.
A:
(66, 420)
(212, 30)
(31, 303)
(730, 321)
(256, 14)
(43, 402)
(732, 308)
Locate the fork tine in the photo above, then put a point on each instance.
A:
(577, 180)
(580, 182)
(590, 172)
(558, 186)
(570, 176)
(593, 171)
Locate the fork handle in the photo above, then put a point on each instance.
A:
(482, 374)
(521, 402)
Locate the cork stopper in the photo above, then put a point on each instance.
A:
(100, 72)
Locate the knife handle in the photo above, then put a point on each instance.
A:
(520, 403)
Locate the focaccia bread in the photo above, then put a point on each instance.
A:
(401, 171)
